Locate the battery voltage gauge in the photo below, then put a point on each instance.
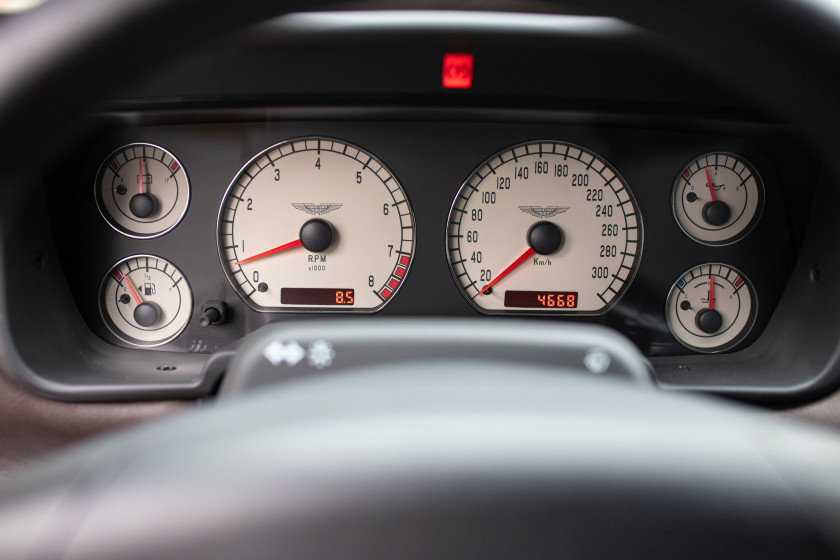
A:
(142, 190)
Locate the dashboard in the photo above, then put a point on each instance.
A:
(460, 262)
(158, 291)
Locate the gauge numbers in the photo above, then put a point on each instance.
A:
(718, 198)
(145, 300)
(544, 227)
(315, 224)
(711, 308)
(142, 190)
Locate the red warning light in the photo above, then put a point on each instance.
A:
(457, 70)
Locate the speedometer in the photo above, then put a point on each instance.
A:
(544, 227)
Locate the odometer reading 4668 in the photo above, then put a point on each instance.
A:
(522, 298)
(544, 227)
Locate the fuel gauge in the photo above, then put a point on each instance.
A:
(711, 308)
(145, 300)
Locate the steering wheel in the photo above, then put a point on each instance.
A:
(496, 461)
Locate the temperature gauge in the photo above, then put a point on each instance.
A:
(145, 300)
(142, 190)
(718, 198)
(711, 308)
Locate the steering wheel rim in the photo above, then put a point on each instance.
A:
(34, 65)
(488, 463)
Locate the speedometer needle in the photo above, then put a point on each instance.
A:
(290, 245)
(507, 271)
(711, 187)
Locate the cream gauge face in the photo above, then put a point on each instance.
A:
(711, 307)
(315, 224)
(544, 227)
(142, 190)
(145, 300)
(718, 198)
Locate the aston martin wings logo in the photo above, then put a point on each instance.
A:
(543, 211)
(317, 209)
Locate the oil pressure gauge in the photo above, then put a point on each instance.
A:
(711, 308)
(145, 300)
(718, 198)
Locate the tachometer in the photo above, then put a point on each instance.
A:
(544, 227)
(315, 224)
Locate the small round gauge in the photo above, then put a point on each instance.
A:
(142, 191)
(315, 224)
(718, 198)
(544, 227)
(711, 308)
(145, 300)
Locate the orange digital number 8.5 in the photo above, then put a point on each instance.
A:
(344, 298)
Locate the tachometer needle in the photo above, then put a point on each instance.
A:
(506, 271)
(140, 176)
(290, 245)
(711, 186)
(711, 292)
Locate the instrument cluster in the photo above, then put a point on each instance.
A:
(210, 231)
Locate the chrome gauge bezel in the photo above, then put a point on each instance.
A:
(110, 220)
(552, 312)
(756, 218)
(740, 337)
(318, 310)
(114, 330)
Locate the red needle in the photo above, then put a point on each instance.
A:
(711, 187)
(140, 175)
(290, 245)
(506, 271)
(130, 287)
(711, 292)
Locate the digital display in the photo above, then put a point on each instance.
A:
(316, 296)
(546, 300)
